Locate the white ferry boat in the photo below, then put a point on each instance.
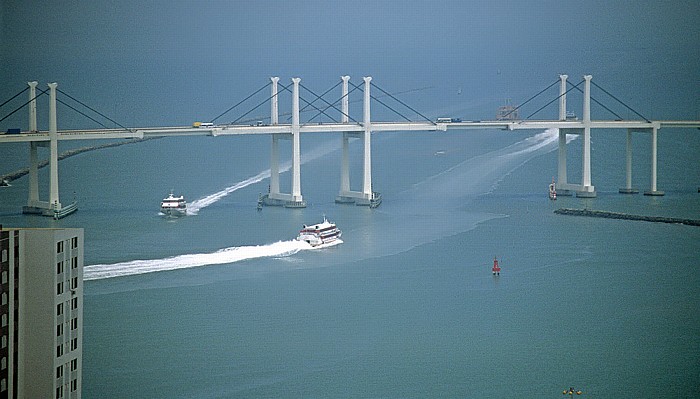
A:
(173, 206)
(318, 234)
(553, 190)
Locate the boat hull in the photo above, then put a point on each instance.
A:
(173, 212)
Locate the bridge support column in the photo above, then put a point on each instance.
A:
(653, 190)
(274, 150)
(296, 152)
(562, 97)
(33, 200)
(562, 179)
(53, 160)
(274, 197)
(587, 189)
(53, 207)
(366, 197)
(628, 166)
(344, 196)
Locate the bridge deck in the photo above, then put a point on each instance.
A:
(229, 130)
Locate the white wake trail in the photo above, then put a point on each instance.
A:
(195, 206)
(222, 256)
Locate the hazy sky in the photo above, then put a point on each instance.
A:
(170, 62)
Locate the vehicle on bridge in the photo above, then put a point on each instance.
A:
(448, 120)
(202, 124)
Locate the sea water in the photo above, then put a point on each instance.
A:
(224, 303)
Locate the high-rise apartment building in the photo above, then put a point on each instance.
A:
(41, 313)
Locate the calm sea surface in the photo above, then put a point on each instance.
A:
(221, 304)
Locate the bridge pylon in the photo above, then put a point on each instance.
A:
(53, 207)
(366, 197)
(274, 197)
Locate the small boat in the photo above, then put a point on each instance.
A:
(173, 206)
(553, 191)
(318, 234)
(6, 183)
(496, 270)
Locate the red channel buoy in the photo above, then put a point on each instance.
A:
(496, 269)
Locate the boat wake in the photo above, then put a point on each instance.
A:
(478, 175)
(222, 256)
(195, 206)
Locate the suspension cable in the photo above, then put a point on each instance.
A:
(382, 103)
(530, 99)
(254, 108)
(23, 105)
(84, 114)
(402, 103)
(241, 102)
(336, 102)
(601, 104)
(91, 109)
(324, 100)
(620, 101)
(558, 97)
(13, 97)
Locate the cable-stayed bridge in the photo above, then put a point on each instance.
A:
(348, 127)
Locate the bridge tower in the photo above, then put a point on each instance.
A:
(53, 207)
(366, 197)
(585, 189)
(274, 196)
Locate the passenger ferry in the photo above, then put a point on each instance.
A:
(553, 190)
(173, 206)
(321, 233)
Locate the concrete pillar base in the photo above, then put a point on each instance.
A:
(565, 193)
(341, 199)
(287, 203)
(654, 193)
(629, 191)
(586, 194)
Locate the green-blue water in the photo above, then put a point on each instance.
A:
(407, 305)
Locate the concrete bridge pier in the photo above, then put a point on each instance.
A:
(35, 206)
(366, 197)
(628, 189)
(274, 197)
(587, 190)
(563, 187)
(653, 191)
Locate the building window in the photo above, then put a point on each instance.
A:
(59, 267)
(4, 255)
(4, 341)
(4, 298)
(59, 288)
(3, 363)
(59, 371)
(4, 277)
(3, 385)
(74, 344)
(59, 330)
(59, 392)
(74, 242)
(74, 303)
(73, 364)
(59, 350)
(59, 247)
(74, 263)
(74, 283)
(74, 385)
(4, 319)
(74, 323)
(59, 309)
